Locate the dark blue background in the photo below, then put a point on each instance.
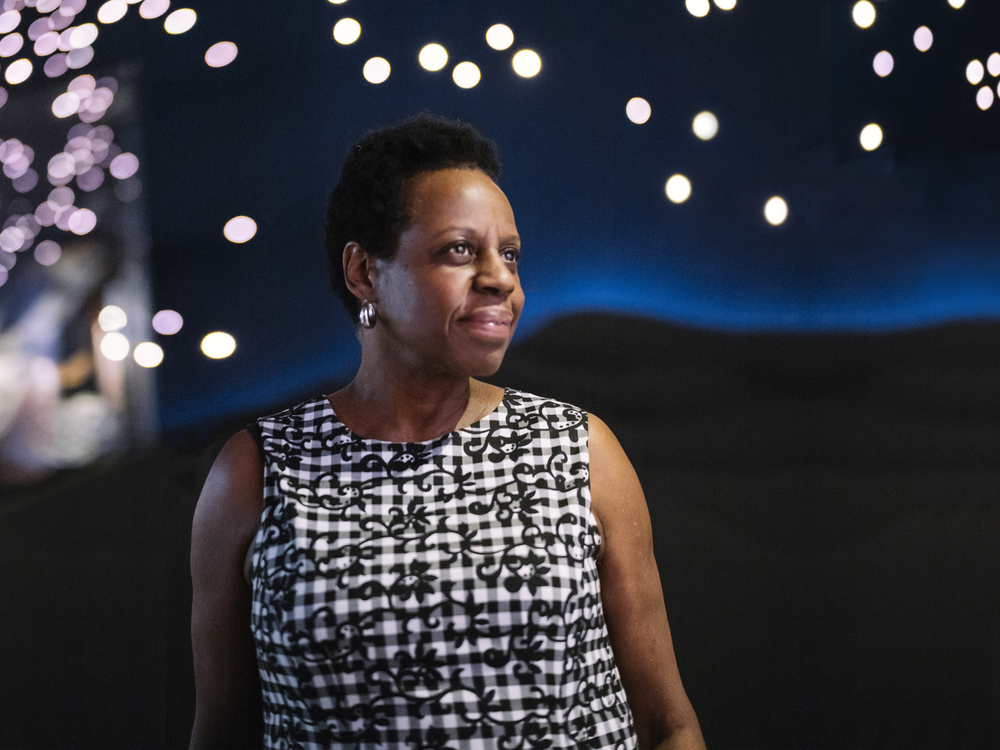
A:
(903, 236)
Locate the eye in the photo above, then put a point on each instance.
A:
(461, 249)
(510, 254)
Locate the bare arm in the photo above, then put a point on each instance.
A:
(633, 601)
(228, 711)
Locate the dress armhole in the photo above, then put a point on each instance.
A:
(254, 429)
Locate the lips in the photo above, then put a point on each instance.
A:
(490, 322)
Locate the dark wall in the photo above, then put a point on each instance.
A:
(826, 512)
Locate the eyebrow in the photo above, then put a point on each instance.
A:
(469, 230)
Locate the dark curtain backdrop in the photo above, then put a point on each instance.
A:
(826, 512)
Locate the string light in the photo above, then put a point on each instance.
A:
(863, 14)
(527, 63)
(499, 36)
(433, 57)
(218, 345)
(871, 137)
(776, 211)
(883, 64)
(974, 72)
(678, 188)
(115, 346)
(376, 70)
(466, 75)
(923, 39)
(697, 8)
(240, 229)
(346, 31)
(112, 318)
(638, 110)
(180, 21)
(148, 354)
(167, 322)
(705, 125)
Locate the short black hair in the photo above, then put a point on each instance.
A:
(370, 204)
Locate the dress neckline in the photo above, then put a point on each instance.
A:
(500, 408)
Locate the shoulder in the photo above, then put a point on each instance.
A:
(301, 415)
(229, 508)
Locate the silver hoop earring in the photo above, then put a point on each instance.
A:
(367, 315)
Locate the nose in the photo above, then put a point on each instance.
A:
(493, 275)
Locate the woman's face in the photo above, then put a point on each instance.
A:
(450, 298)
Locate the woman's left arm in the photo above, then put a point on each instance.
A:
(633, 601)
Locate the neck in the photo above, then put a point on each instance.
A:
(388, 404)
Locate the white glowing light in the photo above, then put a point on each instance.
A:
(77, 58)
(347, 31)
(221, 54)
(956, 3)
(112, 318)
(705, 125)
(9, 21)
(526, 63)
(974, 72)
(11, 44)
(499, 36)
(218, 345)
(725, 4)
(871, 137)
(433, 57)
(923, 39)
(638, 110)
(698, 8)
(111, 11)
(776, 211)
(466, 75)
(65, 105)
(56, 65)
(147, 354)
(883, 64)
(240, 229)
(180, 21)
(18, 71)
(984, 98)
(124, 166)
(4, 275)
(115, 346)
(47, 252)
(376, 70)
(155, 9)
(863, 14)
(993, 64)
(167, 322)
(83, 36)
(338, 2)
(12, 239)
(82, 221)
(46, 44)
(678, 188)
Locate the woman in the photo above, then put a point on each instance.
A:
(423, 560)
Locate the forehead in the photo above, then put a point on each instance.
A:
(447, 194)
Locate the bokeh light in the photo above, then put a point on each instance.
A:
(240, 229)
(9, 20)
(433, 57)
(167, 322)
(678, 188)
(112, 10)
(705, 125)
(923, 39)
(466, 75)
(124, 166)
(47, 252)
(218, 345)
(112, 318)
(82, 221)
(956, 3)
(638, 110)
(338, 2)
(147, 354)
(83, 36)
(4, 274)
(974, 72)
(871, 137)
(993, 64)
(776, 211)
(346, 31)
(725, 4)
(984, 98)
(221, 54)
(18, 71)
(527, 63)
(883, 63)
(376, 70)
(11, 44)
(115, 346)
(155, 9)
(499, 36)
(698, 8)
(863, 14)
(180, 21)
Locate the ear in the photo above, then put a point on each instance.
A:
(358, 268)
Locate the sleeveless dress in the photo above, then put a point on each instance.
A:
(441, 594)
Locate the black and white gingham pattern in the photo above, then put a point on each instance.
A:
(433, 595)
